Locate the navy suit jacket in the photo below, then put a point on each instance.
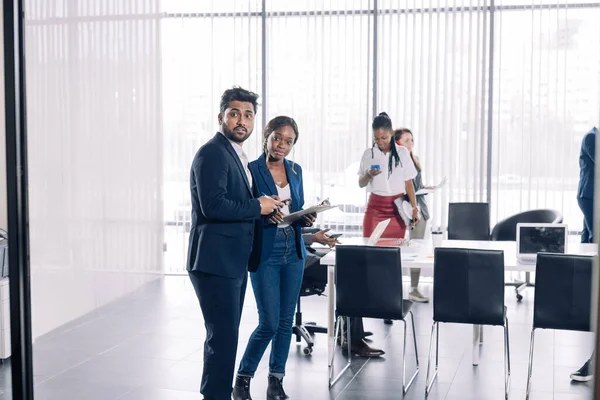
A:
(225, 214)
(587, 165)
(264, 184)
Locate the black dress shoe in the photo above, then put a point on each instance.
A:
(275, 389)
(361, 349)
(241, 390)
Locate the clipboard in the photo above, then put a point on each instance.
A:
(291, 218)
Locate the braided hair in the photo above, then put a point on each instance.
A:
(383, 121)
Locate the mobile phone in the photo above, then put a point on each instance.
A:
(335, 235)
(375, 166)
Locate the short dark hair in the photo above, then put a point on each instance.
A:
(382, 121)
(237, 93)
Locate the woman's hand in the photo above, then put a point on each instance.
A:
(309, 219)
(321, 237)
(277, 217)
(415, 216)
(373, 172)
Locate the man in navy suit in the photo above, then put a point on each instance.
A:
(585, 198)
(224, 221)
(585, 191)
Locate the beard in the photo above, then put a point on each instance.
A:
(236, 136)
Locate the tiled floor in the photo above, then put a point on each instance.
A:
(149, 346)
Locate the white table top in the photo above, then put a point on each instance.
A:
(419, 253)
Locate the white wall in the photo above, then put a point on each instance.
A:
(95, 155)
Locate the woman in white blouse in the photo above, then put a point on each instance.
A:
(387, 171)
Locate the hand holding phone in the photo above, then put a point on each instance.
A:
(374, 170)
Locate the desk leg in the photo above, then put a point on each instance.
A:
(476, 341)
(330, 312)
(480, 334)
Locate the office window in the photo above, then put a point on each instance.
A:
(206, 48)
(427, 64)
(546, 97)
(432, 78)
(318, 72)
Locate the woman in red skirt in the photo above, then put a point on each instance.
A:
(387, 171)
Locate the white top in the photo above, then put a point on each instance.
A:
(284, 193)
(386, 184)
(243, 158)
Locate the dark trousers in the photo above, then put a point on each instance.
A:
(587, 208)
(357, 330)
(221, 300)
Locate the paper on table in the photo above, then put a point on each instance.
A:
(436, 187)
(424, 191)
(290, 218)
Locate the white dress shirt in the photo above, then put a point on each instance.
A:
(242, 156)
(386, 184)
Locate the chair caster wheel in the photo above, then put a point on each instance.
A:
(519, 297)
(307, 350)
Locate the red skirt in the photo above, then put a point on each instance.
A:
(381, 208)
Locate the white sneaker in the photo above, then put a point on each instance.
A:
(417, 297)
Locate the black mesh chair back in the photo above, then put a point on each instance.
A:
(563, 293)
(468, 221)
(468, 286)
(506, 230)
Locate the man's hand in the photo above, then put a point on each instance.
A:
(268, 205)
(321, 237)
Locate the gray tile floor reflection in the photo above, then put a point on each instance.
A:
(148, 346)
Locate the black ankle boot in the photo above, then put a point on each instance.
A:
(241, 390)
(275, 389)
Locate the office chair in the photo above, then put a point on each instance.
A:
(314, 282)
(468, 221)
(369, 284)
(563, 296)
(468, 288)
(506, 230)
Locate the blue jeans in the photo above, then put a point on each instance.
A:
(276, 286)
(587, 208)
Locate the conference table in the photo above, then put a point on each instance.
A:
(418, 253)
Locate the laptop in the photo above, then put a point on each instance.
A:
(377, 232)
(534, 238)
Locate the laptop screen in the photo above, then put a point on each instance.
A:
(536, 239)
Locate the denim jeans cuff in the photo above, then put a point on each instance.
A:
(245, 374)
(278, 375)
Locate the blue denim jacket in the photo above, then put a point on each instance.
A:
(264, 183)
